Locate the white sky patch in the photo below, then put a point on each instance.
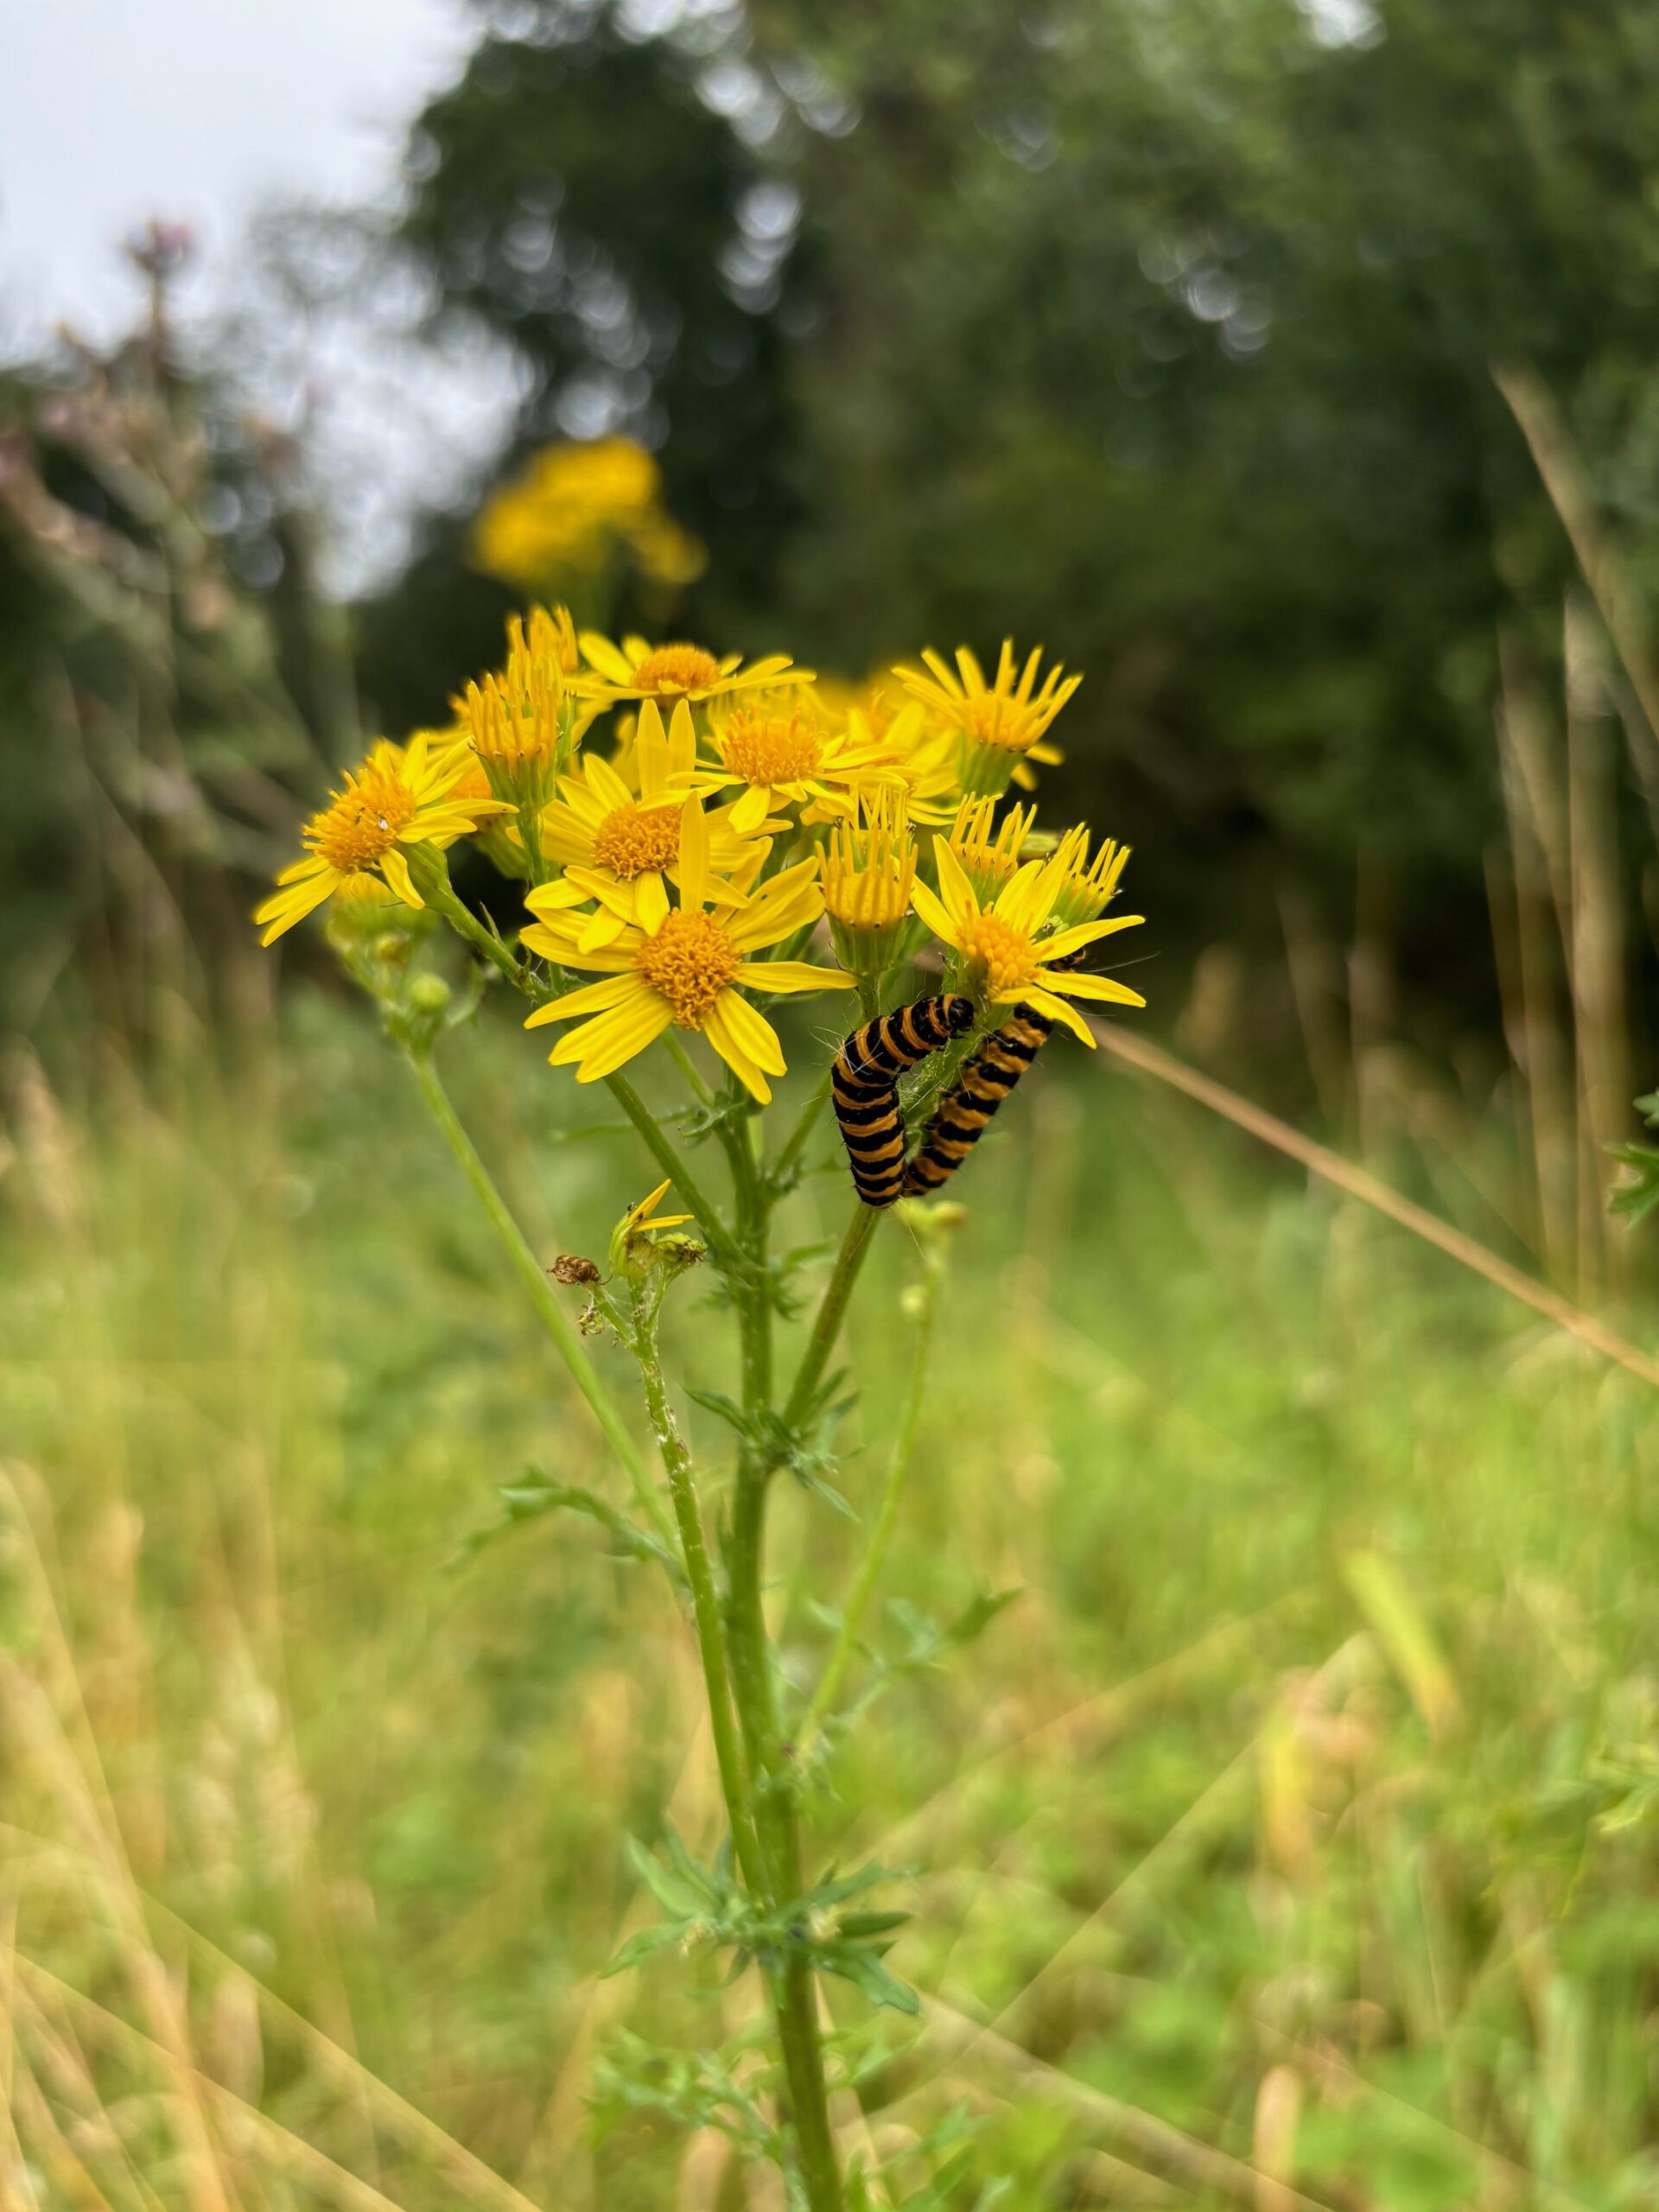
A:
(204, 112)
(195, 111)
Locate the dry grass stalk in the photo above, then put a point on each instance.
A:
(1598, 935)
(1551, 446)
(1538, 864)
(1330, 1167)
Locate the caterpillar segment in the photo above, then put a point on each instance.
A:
(864, 1087)
(987, 1076)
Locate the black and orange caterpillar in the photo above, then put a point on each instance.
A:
(864, 1087)
(987, 1078)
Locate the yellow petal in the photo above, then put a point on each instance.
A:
(637, 1213)
(717, 1028)
(279, 915)
(751, 809)
(606, 1043)
(611, 960)
(599, 929)
(939, 919)
(553, 898)
(590, 998)
(694, 853)
(651, 750)
(650, 903)
(754, 1035)
(681, 740)
(1095, 987)
(599, 652)
(300, 871)
(606, 785)
(1081, 933)
(395, 868)
(955, 890)
(791, 976)
(1057, 1010)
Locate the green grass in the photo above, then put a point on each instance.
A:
(1299, 1813)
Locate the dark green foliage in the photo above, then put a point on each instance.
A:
(1160, 336)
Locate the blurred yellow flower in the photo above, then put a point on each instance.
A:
(400, 797)
(571, 507)
(689, 970)
(1003, 955)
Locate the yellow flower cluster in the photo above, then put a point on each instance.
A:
(572, 509)
(733, 809)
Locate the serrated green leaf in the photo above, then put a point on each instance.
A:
(640, 1948)
(858, 1964)
(534, 1496)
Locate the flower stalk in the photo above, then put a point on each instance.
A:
(742, 828)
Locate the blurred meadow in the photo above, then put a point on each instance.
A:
(1288, 1839)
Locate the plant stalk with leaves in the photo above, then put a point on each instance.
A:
(690, 870)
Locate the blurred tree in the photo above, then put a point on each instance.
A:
(577, 192)
(162, 704)
(1167, 334)
(1160, 333)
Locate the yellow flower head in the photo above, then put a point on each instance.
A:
(636, 1236)
(998, 726)
(569, 509)
(1088, 887)
(990, 851)
(689, 968)
(618, 842)
(776, 745)
(1005, 954)
(524, 723)
(400, 797)
(869, 871)
(638, 670)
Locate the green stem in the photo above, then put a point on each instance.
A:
(904, 1447)
(792, 1988)
(554, 1318)
(705, 1605)
(672, 1163)
(827, 1327)
(790, 1985)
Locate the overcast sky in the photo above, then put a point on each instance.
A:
(194, 110)
(200, 112)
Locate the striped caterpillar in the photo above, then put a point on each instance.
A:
(864, 1087)
(987, 1076)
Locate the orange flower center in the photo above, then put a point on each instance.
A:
(364, 821)
(766, 748)
(676, 668)
(689, 962)
(632, 840)
(998, 956)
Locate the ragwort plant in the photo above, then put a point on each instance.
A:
(681, 829)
